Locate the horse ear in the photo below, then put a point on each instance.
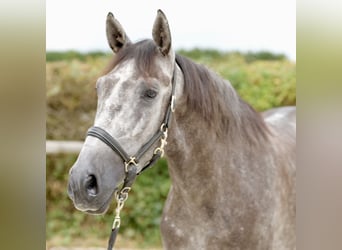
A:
(161, 33)
(116, 35)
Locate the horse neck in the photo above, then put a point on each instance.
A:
(199, 150)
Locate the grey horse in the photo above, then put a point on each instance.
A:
(232, 169)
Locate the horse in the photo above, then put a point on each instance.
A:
(232, 169)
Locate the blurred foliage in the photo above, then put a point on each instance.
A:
(140, 216)
(263, 79)
(200, 54)
(53, 56)
(71, 96)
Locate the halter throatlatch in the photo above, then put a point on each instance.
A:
(131, 162)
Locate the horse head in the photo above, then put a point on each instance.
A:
(133, 98)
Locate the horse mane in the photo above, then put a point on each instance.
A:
(219, 104)
(210, 96)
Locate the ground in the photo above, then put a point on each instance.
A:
(93, 244)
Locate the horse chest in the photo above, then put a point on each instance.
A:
(184, 227)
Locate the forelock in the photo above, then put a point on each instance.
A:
(143, 54)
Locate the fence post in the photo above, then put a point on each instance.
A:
(59, 147)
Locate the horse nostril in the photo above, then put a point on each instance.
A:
(91, 185)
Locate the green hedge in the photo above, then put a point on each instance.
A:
(71, 104)
(53, 56)
(140, 216)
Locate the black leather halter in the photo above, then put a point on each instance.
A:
(131, 162)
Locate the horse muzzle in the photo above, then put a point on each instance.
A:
(91, 187)
(87, 196)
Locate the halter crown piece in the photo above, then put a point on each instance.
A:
(131, 162)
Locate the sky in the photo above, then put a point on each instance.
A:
(241, 25)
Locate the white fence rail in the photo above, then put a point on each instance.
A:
(59, 147)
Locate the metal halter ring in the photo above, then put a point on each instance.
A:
(161, 150)
(121, 196)
(131, 161)
(163, 128)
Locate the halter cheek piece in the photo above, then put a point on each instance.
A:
(131, 162)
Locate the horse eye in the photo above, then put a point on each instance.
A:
(150, 93)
